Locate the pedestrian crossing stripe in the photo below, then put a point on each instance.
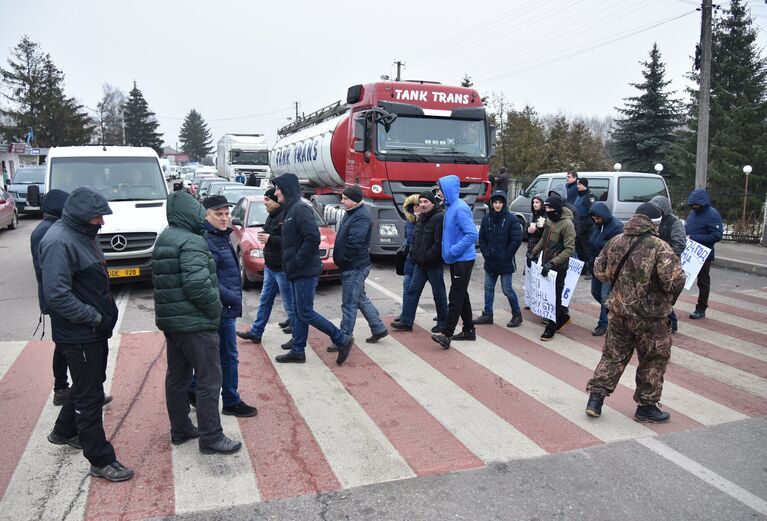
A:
(400, 408)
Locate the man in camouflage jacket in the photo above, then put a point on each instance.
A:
(642, 297)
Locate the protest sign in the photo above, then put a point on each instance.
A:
(571, 279)
(693, 257)
(540, 292)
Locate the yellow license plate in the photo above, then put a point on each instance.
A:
(125, 272)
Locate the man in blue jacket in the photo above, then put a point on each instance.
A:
(83, 315)
(704, 226)
(351, 253)
(500, 235)
(606, 226)
(52, 206)
(302, 266)
(217, 226)
(459, 236)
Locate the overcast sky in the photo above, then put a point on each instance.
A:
(242, 64)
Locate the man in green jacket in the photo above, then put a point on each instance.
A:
(187, 309)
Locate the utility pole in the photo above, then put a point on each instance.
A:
(295, 103)
(701, 156)
(399, 65)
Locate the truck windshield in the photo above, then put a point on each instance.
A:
(116, 178)
(260, 157)
(463, 140)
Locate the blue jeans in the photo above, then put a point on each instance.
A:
(506, 287)
(354, 298)
(274, 281)
(600, 291)
(227, 350)
(303, 297)
(413, 295)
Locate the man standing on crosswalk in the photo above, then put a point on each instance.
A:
(646, 278)
(83, 315)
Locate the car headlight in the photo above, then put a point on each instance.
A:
(255, 252)
(387, 230)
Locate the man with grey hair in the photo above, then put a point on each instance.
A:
(671, 230)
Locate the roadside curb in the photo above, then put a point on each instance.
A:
(740, 265)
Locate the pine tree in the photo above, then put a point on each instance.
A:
(38, 101)
(526, 140)
(140, 123)
(737, 118)
(557, 152)
(645, 134)
(196, 139)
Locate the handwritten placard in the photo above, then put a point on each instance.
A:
(540, 292)
(693, 258)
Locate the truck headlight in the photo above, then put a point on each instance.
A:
(387, 230)
(255, 252)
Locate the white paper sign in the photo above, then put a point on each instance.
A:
(571, 279)
(693, 257)
(540, 292)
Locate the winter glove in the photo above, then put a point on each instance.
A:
(529, 258)
(546, 268)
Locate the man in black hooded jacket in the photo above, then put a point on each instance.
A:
(52, 206)
(83, 315)
(302, 266)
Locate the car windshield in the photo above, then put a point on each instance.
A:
(235, 194)
(29, 176)
(260, 157)
(462, 140)
(116, 178)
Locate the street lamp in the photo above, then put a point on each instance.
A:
(617, 167)
(658, 168)
(746, 170)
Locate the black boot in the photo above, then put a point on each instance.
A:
(594, 406)
(651, 414)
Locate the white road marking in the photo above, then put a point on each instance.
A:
(9, 351)
(727, 318)
(707, 475)
(391, 294)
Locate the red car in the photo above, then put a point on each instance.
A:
(248, 217)
(9, 214)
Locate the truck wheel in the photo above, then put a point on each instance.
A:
(320, 201)
(243, 275)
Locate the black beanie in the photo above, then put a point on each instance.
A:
(583, 181)
(555, 203)
(428, 194)
(271, 194)
(651, 211)
(354, 193)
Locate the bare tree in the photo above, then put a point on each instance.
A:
(109, 115)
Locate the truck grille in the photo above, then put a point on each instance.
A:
(126, 242)
(401, 189)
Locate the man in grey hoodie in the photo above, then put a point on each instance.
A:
(671, 230)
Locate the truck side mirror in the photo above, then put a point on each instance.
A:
(493, 140)
(360, 134)
(33, 195)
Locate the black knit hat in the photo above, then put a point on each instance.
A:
(354, 193)
(650, 210)
(428, 194)
(583, 181)
(271, 194)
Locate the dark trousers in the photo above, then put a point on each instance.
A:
(81, 413)
(704, 286)
(559, 286)
(458, 304)
(59, 369)
(196, 351)
(583, 250)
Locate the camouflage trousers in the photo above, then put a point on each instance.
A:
(652, 341)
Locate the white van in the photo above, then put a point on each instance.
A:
(131, 179)
(623, 192)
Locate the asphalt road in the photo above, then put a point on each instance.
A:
(716, 472)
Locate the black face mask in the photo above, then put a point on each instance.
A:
(554, 215)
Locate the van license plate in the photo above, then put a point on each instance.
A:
(125, 272)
